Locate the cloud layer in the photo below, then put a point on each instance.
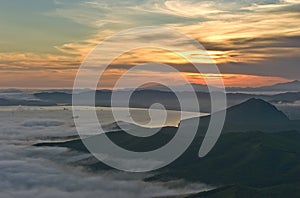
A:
(47, 172)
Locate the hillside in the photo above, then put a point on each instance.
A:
(250, 162)
(251, 115)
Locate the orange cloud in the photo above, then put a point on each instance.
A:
(242, 34)
(235, 80)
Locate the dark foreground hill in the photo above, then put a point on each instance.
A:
(260, 162)
(249, 163)
(237, 191)
(252, 115)
(248, 158)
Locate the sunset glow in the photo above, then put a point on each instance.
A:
(253, 43)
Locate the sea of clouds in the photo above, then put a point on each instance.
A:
(46, 172)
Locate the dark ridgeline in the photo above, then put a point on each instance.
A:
(252, 115)
(257, 155)
(292, 86)
(144, 98)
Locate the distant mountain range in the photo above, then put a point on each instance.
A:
(246, 161)
(293, 86)
(17, 102)
(145, 98)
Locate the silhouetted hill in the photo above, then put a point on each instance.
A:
(280, 87)
(180, 88)
(289, 97)
(254, 164)
(251, 115)
(252, 159)
(57, 97)
(8, 91)
(237, 191)
(256, 111)
(145, 98)
(14, 102)
(288, 86)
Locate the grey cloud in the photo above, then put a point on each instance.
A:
(287, 67)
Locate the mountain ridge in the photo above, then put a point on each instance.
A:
(251, 115)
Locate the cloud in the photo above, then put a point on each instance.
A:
(231, 27)
(188, 9)
(234, 32)
(45, 172)
(285, 67)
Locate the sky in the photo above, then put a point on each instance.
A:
(253, 42)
